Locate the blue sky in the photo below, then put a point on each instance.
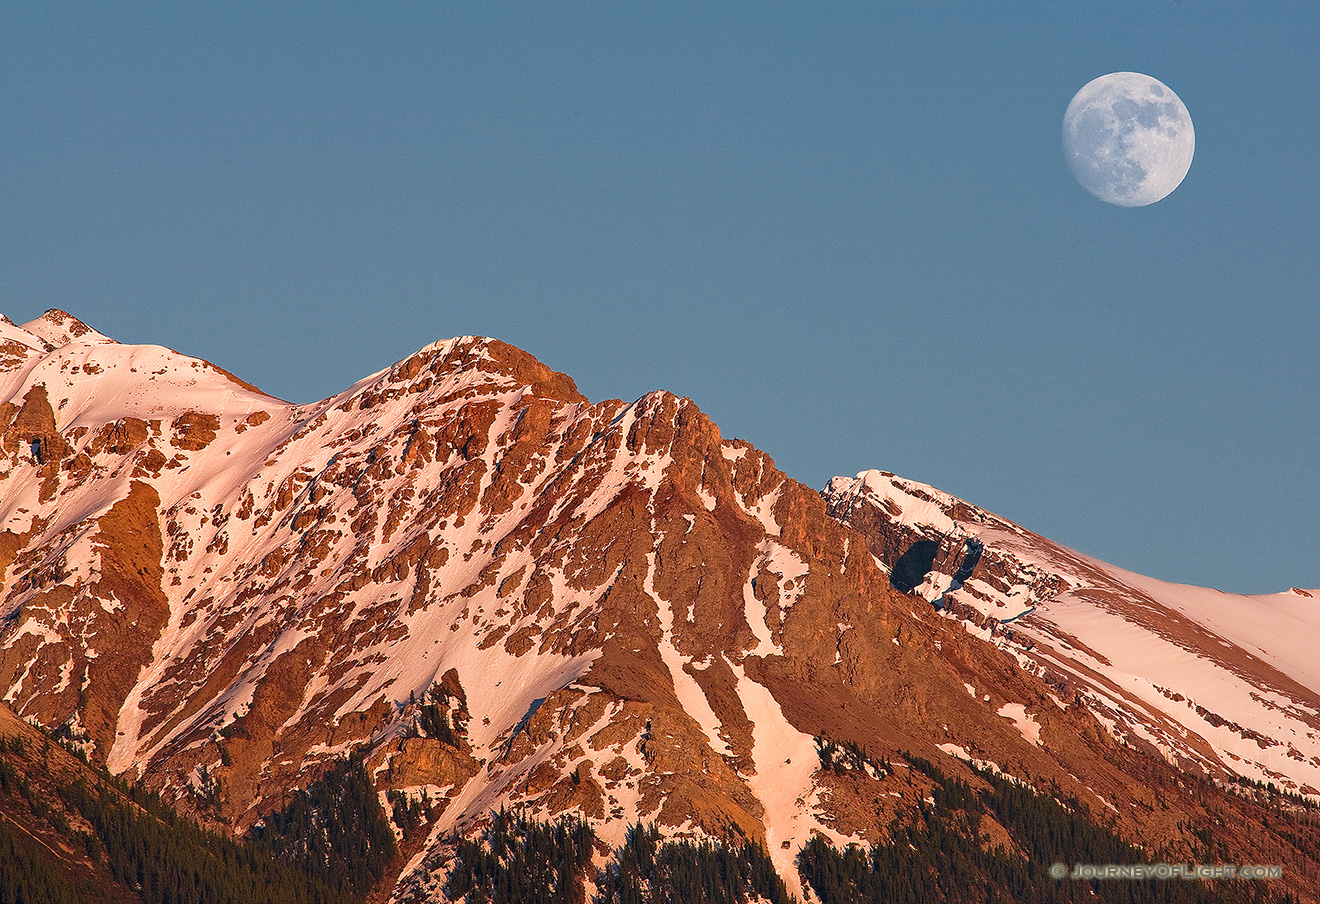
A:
(846, 230)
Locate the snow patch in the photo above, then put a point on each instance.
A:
(1017, 714)
(786, 762)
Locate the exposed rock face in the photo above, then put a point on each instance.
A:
(499, 593)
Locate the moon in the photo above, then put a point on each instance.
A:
(1128, 139)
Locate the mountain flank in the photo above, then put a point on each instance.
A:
(497, 594)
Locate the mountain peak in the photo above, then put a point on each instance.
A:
(490, 356)
(93, 380)
(58, 328)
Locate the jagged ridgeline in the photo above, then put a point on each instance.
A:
(502, 595)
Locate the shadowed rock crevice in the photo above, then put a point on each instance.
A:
(913, 566)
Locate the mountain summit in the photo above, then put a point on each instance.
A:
(500, 594)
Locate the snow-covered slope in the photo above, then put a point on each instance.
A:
(498, 593)
(220, 591)
(1226, 682)
(142, 381)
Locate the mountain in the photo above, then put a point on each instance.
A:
(1213, 682)
(500, 594)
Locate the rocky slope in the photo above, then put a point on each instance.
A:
(1218, 683)
(44, 846)
(500, 593)
(71, 833)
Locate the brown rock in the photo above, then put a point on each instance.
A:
(194, 431)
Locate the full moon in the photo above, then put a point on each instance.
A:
(1128, 139)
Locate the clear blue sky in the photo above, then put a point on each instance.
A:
(846, 230)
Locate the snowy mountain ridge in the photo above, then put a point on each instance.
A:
(1225, 681)
(499, 593)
